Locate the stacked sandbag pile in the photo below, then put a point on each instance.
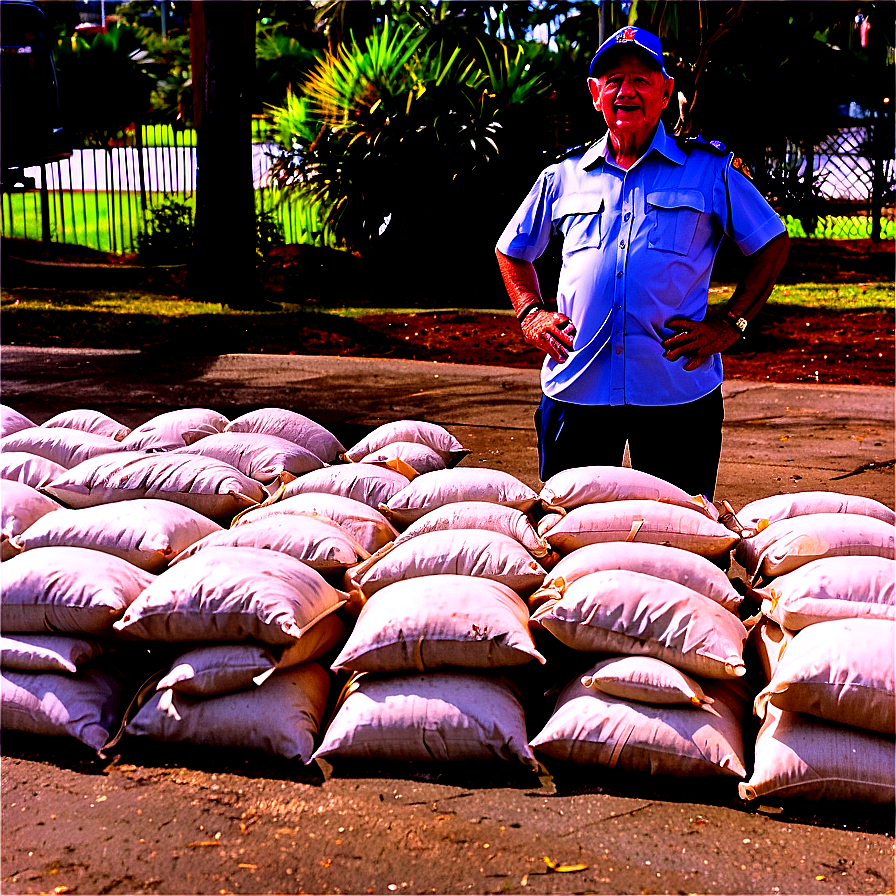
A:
(826, 646)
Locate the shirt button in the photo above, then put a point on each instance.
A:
(618, 349)
(626, 216)
(621, 244)
(618, 275)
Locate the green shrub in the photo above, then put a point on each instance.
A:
(168, 236)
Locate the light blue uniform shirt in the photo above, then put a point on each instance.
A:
(638, 249)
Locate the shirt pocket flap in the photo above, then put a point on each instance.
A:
(670, 199)
(578, 219)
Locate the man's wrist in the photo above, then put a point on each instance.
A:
(528, 308)
(737, 321)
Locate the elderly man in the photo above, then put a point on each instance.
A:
(633, 350)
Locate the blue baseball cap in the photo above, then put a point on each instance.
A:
(628, 39)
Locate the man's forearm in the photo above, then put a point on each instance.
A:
(763, 268)
(521, 282)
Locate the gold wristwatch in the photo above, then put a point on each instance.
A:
(739, 322)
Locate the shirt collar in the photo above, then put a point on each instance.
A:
(661, 142)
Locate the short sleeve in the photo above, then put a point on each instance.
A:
(529, 231)
(750, 221)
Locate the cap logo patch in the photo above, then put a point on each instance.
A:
(627, 34)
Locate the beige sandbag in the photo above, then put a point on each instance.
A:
(589, 727)
(832, 588)
(432, 490)
(790, 543)
(368, 483)
(647, 522)
(210, 487)
(644, 679)
(619, 611)
(768, 641)
(20, 507)
(802, 756)
(148, 533)
(86, 706)
(429, 434)
(676, 565)
(436, 717)
(781, 507)
(480, 515)
(282, 717)
(231, 594)
(174, 429)
(842, 671)
(12, 421)
(437, 621)
(66, 589)
(66, 447)
(598, 484)
(316, 541)
(87, 420)
(462, 552)
(293, 427)
(21, 466)
(265, 458)
(402, 456)
(362, 522)
(47, 653)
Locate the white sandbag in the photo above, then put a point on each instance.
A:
(12, 421)
(773, 508)
(768, 641)
(86, 706)
(598, 484)
(231, 594)
(210, 487)
(589, 727)
(842, 671)
(66, 589)
(261, 457)
(368, 483)
(294, 428)
(429, 434)
(676, 565)
(214, 669)
(790, 543)
(480, 515)
(364, 523)
(174, 429)
(832, 588)
(802, 756)
(282, 717)
(461, 552)
(20, 507)
(644, 679)
(47, 653)
(148, 533)
(87, 420)
(22, 466)
(436, 717)
(619, 611)
(646, 522)
(402, 456)
(432, 490)
(437, 621)
(66, 447)
(320, 543)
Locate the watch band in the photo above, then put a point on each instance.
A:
(531, 306)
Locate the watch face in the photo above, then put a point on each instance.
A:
(741, 324)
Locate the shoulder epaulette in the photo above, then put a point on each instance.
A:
(688, 143)
(571, 151)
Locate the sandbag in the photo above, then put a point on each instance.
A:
(462, 552)
(282, 717)
(21, 466)
(831, 588)
(647, 522)
(842, 671)
(758, 514)
(801, 756)
(231, 594)
(436, 717)
(790, 543)
(768, 641)
(12, 421)
(368, 483)
(20, 507)
(67, 589)
(644, 679)
(432, 490)
(429, 434)
(437, 621)
(66, 447)
(362, 522)
(174, 429)
(210, 487)
(47, 653)
(87, 420)
(589, 727)
(618, 611)
(406, 456)
(294, 428)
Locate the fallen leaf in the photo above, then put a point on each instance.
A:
(193, 844)
(60, 889)
(820, 877)
(248, 865)
(562, 869)
(524, 880)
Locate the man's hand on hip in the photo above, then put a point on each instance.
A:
(549, 331)
(697, 340)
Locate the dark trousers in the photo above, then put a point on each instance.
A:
(680, 443)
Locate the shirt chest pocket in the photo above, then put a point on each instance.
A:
(579, 222)
(673, 216)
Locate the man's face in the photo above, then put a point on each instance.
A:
(631, 95)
